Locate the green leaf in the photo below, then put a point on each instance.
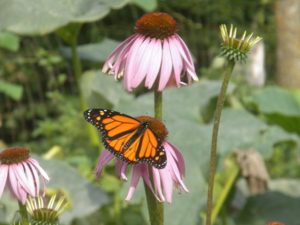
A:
(95, 52)
(147, 5)
(12, 90)
(102, 91)
(280, 106)
(280, 204)
(9, 41)
(85, 197)
(40, 17)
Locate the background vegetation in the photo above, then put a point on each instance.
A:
(51, 54)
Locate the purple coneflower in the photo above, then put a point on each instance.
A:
(160, 181)
(155, 55)
(19, 173)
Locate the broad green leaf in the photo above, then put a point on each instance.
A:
(95, 52)
(147, 5)
(8, 208)
(280, 204)
(9, 41)
(85, 197)
(12, 90)
(101, 90)
(44, 16)
(280, 106)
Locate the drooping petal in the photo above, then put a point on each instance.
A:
(115, 55)
(22, 194)
(176, 61)
(120, 63)
(155, 65)
(13, 183)
(121, 169)
(166, 66)
(144, 65)
(167, 183)
(35, 177)
(30, 178)
(187, 59)
(136, 174)
(157, 184)
(172, 149)
(130, 66)
(39, 168)
(22, 179)
(104, 158)
(3, 177)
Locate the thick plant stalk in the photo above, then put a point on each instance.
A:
(214, 141)
(155, 208)
(24, 214)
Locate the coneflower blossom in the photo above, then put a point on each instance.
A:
(160, 181)
(155, 55)
(19, 173)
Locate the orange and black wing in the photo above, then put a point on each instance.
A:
(116, 128)
(127, 138)
(150, 149)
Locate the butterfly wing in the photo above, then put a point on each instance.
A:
(150, 150)
(116, 129)
(127, 138)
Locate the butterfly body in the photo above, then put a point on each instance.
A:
(134, 140)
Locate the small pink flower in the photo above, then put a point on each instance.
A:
(155, 55)
(19, 173)
(160, 181)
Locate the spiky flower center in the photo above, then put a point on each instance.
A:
(45, 214)
(14, 155)
(156, 25)
(155, 125)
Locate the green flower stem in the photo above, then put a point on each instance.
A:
(24, 214)
(78, 72)
(76, 61)
(158, 105)
(214, 141)
(155, 208)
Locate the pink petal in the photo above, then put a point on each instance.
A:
(144, 64)
(115, 54)
(22, 194)
(22, 179)
(153, 70)
(176, 154)
(39, 168)
(166, 67)
(131, 61)
(104, 158)
(30, 178)
(167, 183)
(176, 61)
(181, 50)
(185, 49)
(3, 177)
(157, 184)
(121, 169)
(136, 174)
(147, 179)
(118, 67)
(35, 178)
(13, 184)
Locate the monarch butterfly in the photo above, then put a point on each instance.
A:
(133, 140)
